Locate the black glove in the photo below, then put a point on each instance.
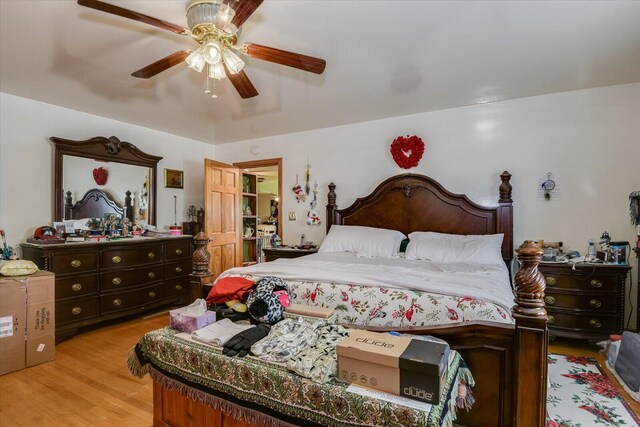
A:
(241, 343)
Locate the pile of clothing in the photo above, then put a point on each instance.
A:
(251, 321)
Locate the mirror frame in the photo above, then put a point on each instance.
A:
(107, 149)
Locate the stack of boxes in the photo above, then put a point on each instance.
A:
(27, 321)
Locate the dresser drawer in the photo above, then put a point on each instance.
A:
(561, 281)
(588, 323)
(176, 269)
(75, 310)
(177, 250)
(176, 287)
(124, 300)
(119, 258)
(80, 262)
(594, 303)
(76, 286)
(127, 278)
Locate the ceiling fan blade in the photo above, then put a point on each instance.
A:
(242, 84)
(161, 65)
(126, 13)
(290, 59)
(244, 9)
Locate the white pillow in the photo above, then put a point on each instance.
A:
(484, 249)
(368, 241)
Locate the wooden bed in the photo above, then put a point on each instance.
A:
(509, 362)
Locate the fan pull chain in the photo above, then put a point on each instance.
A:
(214, 96)
(207, 91)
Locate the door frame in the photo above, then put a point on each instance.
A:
(269, 162)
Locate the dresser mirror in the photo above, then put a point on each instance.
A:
(102, 175)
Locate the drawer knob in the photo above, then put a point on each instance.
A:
(595, 303)
(117, 302)
(116, 280)
(550, 280)
(151, 275)
(595, 323)
(551, 319)
(178, 287)
(178, 251)
(152, 294)
(178, 269)
(76, 287)
(596, 283)
(76, 263)
(151, 255)
(549, 300)
(116, 259)
(76, 310)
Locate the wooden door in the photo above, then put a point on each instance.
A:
(223, 222)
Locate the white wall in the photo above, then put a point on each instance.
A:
(589, 138)
(26, 161)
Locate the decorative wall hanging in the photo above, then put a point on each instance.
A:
(173, 178)
(407, 151)
(548, 187)
(100, 175)
(307, 186)
(298, 191)
(313, 217)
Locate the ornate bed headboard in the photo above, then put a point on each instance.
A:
(95, 204)
(411, 202)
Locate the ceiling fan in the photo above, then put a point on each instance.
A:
(215, 25)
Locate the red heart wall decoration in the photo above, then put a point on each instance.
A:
(100, 175)
(407, 151)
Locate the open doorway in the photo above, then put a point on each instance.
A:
(266, 215)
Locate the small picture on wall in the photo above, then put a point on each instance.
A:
(173, 178)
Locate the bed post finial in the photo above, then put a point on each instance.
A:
(505, 188)
(331, 205)
(68, 205)
(531, 344)
(529, 282)
(331, 198)
(200, 274)
(201, 255)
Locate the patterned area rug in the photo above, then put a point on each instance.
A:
(580, 395)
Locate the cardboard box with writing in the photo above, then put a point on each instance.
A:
(27, 321)
(397, 365)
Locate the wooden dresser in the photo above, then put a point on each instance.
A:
(587, 302)
(98, 281)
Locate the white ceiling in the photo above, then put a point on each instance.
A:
(384, 58)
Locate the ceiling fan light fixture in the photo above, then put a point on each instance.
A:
(211, 52)
(232, 61)
(201, 12)
(216, 71)
(231, 30)
(196, 60)
(224, 16)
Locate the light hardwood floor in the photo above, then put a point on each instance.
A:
(88, 384)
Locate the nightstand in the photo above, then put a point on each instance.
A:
(587, 302)
(272, 254)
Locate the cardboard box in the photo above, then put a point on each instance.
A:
(13, 319)
(188, 323)
(398, 365)
(27, 321)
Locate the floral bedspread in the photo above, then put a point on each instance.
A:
(270, 388)
(392, 307)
